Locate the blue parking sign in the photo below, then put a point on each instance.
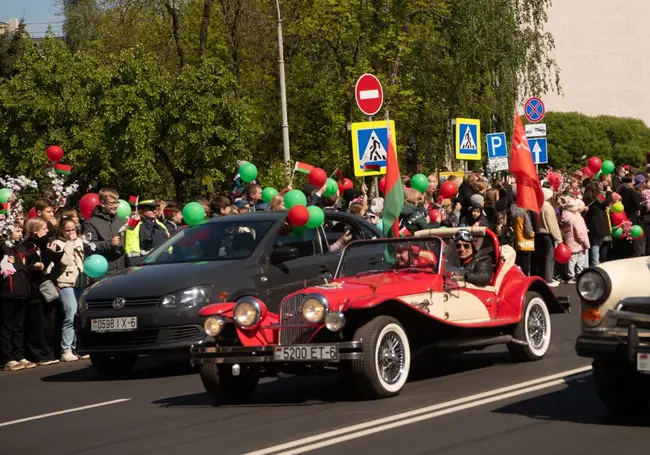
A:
(496, 145)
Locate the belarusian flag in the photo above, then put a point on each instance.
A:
(132, 223)
(394, 194)
(303, 167)
(62, 169)
(371, 167)
(133, 200)
(4, 208)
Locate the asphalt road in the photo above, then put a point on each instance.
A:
(475, 403)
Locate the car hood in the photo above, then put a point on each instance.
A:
(159, 279)
(629, 278)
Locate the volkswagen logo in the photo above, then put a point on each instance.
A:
(119, 303)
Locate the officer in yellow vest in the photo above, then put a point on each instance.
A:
(147, 235)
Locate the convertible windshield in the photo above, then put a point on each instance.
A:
(212, 241)
(413, 254)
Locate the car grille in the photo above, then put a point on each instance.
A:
(130, 303)
(296, 331)
(141, 338)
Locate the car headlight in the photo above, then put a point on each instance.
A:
(213, 326)
(248, 312)
(594, 286)
(81, 306)
(334, 321)
(314, 308)
(193, 296)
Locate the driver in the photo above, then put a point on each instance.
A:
(477, 268)
(409, 256)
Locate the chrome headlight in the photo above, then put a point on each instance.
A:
(213, 326)
(594, 286)
(197, 295)
(314, 308)
(334, 321)
(247, 312)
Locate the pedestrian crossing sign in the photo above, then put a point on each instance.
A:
(370, 146)
(468, 143)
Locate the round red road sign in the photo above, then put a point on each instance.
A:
(369, 94)
(534, 109)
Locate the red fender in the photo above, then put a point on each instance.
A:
(513, 293)
(261, 336)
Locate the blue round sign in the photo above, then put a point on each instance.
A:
(534, 110)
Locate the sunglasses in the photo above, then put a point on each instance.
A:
(463, 246)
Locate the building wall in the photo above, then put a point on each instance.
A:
(603, 50)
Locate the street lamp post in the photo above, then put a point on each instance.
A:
(283, 96)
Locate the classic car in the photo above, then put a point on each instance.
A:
(382, 310)
(154, 308)
(615, 331)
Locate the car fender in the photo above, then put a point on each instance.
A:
(369, 302)
(263, 335)
(513, 295)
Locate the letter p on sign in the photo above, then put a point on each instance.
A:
(496, 144)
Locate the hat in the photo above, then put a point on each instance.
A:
(638, 180)
(477, 199)
(377, 205)
(147, 204)
(548, 194)
(627, 179)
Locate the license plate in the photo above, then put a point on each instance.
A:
(306, 353)
(643, 362)
(114, 324)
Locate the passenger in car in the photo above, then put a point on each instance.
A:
(413, 256)
(477, 268)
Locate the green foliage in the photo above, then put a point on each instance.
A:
(12, 48)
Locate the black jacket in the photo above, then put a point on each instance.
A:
(631, 201)
(102, 228)
(596, 217)
(17, 285)
(479, 270)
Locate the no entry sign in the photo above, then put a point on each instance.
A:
(534, 110)
(369, 94)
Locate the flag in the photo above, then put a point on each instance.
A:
(132, 223)
(303, 167)
(133, 200)
(529, 190)
(340, 175)
(394, 193)
(62, 169)
(4, 209)
(371, 167)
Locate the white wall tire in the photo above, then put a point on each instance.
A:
(383, 371)
(534, 328)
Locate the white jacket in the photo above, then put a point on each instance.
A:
(70, 270)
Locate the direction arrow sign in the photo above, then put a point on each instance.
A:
(369, 94)
(539, 150)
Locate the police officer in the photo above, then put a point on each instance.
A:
(146, 235)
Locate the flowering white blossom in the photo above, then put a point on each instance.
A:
(61, 192)
(16, 185)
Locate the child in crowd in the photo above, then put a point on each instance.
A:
(576, 237)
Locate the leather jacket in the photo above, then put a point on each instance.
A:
(478, 271)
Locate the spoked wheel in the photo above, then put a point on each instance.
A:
(226, 388)
(534, 328)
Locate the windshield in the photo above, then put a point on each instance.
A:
(212, 241)
(380, 255)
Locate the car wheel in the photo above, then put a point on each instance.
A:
(386, 362)
(534, 328)
(112, 366)
(224, 387)
(620, 388)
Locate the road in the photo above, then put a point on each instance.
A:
(475, 403)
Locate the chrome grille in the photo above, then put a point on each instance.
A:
(296, 330)
(130, 303)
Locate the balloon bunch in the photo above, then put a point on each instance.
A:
(596, 167)
(622, 227)
(299, 214)
(555, 179)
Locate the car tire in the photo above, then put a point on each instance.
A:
(226, 388)
(620, 388)
(383, 341)
(113, 366)
(534, 328)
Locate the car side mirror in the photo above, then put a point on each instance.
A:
(283, 254)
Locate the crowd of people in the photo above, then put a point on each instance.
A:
(42, 257)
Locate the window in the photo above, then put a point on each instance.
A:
(336, 228)
(303, 239)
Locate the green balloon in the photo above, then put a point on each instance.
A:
(123, 209)
(95, 266)
(268, 194)
(419, 182)
(5, 194)
(294, 197)
(597, 176)
(193, 213)
(608, 167)
(248, 172)
(616, 233)
(618, 207)
(298, 231)
(636, 231)
(316, 217)
(331, 187)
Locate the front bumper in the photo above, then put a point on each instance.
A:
(608, 345)
(210, 353)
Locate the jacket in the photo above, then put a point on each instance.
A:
(523, 229)
(15, 275)
(147, 235)
(574, 231)
(478, 271)
(102, 228)
(36, 251)
(631, 200)
(596, 217)
(414, 218)
(68, 272)
(549, 224)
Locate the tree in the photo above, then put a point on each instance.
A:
(81, 21)
(12, 48)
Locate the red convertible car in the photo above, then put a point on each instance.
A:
(390, 300)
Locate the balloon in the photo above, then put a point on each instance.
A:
(331, 187)
(32, 213)
(435, 216)
(555, 180)
(615, 197)
(268, 194)
(317, 177)
(617, 233)
(587, 173)
(5, 194)
(382, 185)
(54, 153)
(87, 204)
(298, 215)
(248, 172)
(95, 266)
(294, 197)
(420, 182)
(193, 213)
(448, 190)
(316, 217)
(618, 218)
(562, 253)
(345, 184)
(598, 174)
(299, 231)
(123, 209)
(618, 207)
(607, 167)
(636, 231)
(594, 164)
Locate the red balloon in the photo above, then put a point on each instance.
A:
(32, 213)
(317, 177)
(298, 215)
(54, 153)
(594, 164)
(435, 215)
(562, 253)
(448, 190)
(618, 218)
(382, 185)
(554, 179)
(345, 184)
(87, 204)
(586, 172)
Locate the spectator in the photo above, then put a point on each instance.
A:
(576, 238)
(524, 237)
(104, 230)
(45, 210)
(174, 217)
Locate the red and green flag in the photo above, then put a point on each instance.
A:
(4, 208)
(132, 223)
(62, 169)
(303, 167)
(371, 167)
(394, 194)
(133, 200)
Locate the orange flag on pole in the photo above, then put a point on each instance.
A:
(529, 190)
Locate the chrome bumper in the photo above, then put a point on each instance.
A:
(621, 342)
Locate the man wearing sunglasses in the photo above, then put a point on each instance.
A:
(477, 268)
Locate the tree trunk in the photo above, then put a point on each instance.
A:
(205, 25)
(173, 12)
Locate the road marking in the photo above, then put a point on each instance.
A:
(417, 415)
(65, 411)
(368, 94)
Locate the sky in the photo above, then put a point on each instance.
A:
(38, 14)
